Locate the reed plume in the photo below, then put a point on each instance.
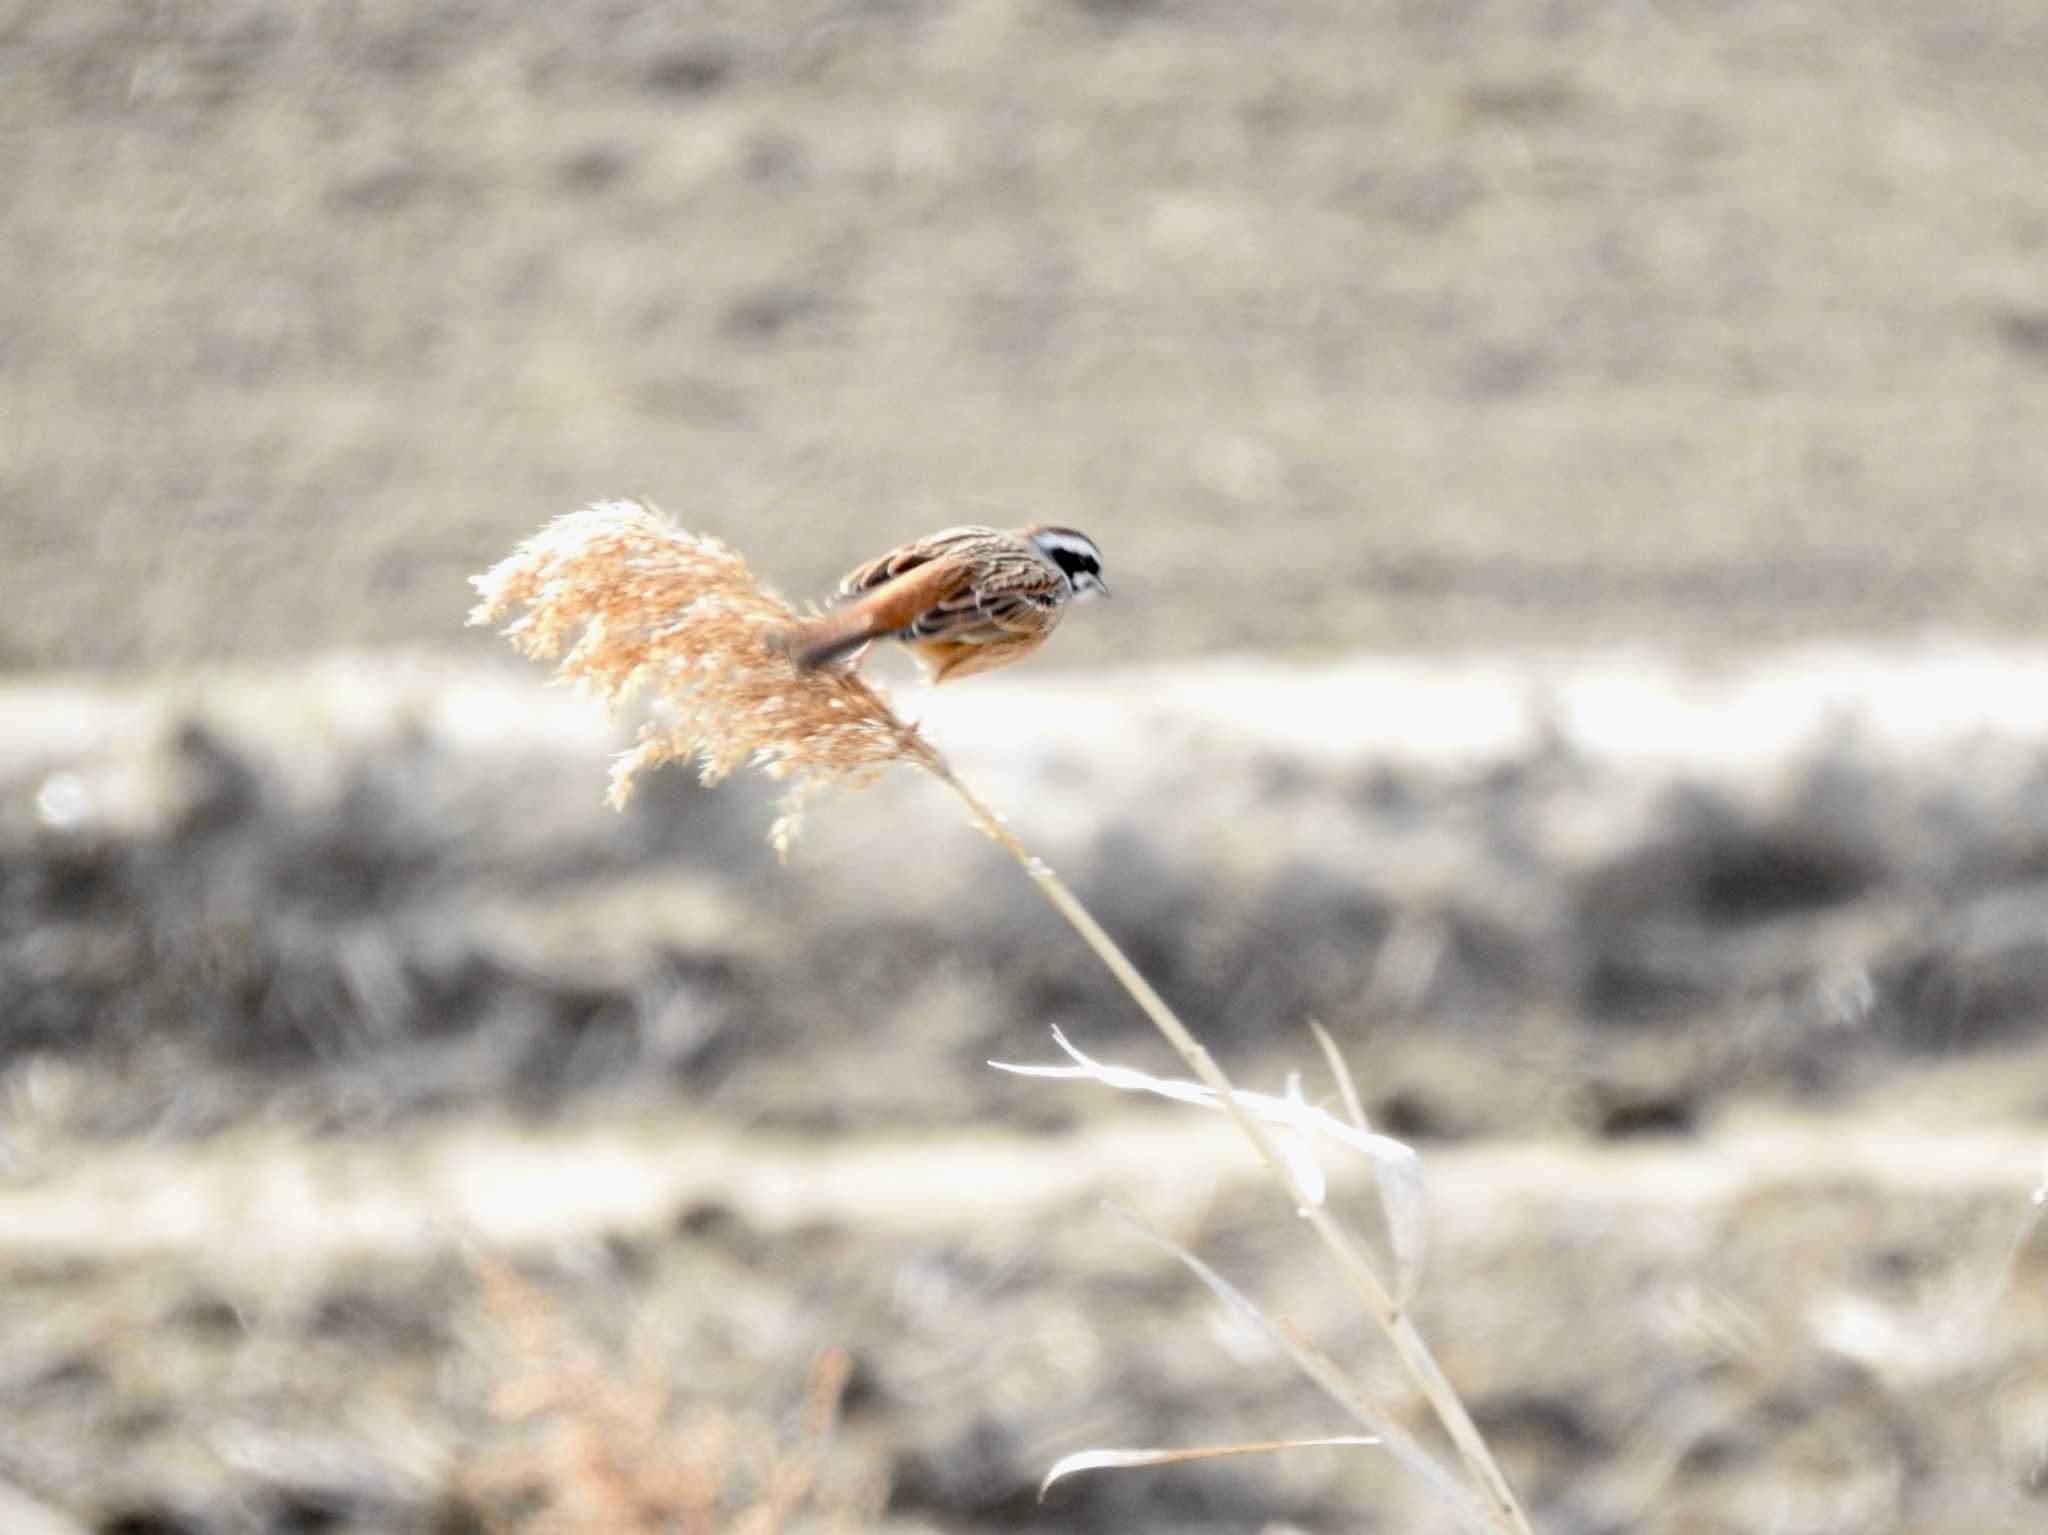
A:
(625, 602)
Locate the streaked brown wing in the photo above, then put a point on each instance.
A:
(901, 601)
(1001, 604)
(900, 561)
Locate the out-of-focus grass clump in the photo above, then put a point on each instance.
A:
(610, 1448)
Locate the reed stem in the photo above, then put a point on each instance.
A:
(1357, 1269)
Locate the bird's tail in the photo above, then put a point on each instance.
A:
(884, 609)
(830, 636)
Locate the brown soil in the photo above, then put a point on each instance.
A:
(1725, 1067)
(1464, 323)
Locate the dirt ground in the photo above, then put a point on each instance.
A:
(330, 986)
(1467, 324)
(1573, 480)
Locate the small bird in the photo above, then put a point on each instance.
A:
(962, 600)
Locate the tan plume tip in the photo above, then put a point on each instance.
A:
(624, 601)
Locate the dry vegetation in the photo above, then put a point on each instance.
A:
(610, 1447)
(624, 600)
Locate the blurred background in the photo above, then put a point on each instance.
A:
(1573, 477)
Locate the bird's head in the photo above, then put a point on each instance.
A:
(1076, 556)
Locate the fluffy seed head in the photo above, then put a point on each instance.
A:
(623, 601)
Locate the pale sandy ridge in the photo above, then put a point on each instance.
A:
(1631, 707)
(255, 1193)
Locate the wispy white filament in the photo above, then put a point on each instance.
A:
(1123, 1460)
(1395, 1165)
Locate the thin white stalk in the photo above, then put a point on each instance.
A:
(1390, 1315)
(1341, 1070)
(1471, 1514)
(1126, 1460)
(1396, 1194)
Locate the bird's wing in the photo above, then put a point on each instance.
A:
(900, 561)
(1017, 597)
(902, 601)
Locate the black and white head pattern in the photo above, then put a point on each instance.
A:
(1076, 556)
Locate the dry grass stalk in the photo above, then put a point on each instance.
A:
(628, 601)
(625, 602)
(618, 1454)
